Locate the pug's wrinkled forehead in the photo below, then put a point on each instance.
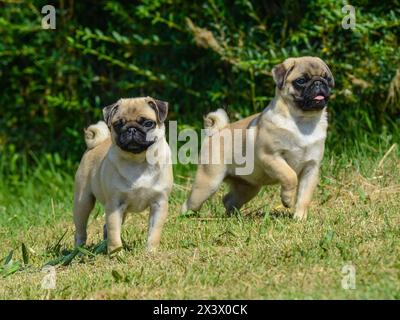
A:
(293, 68)
(310, 67)
(132, 109)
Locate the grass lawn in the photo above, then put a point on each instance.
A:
(261, 254)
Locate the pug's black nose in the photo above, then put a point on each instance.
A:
(317, 84)
(131, 130)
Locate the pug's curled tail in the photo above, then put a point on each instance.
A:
(95, 134)
(215, 121)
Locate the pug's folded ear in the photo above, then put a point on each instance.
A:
(331, 80)
(161, 109)
(280, 72)
(109, 112)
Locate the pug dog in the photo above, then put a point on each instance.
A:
(288, 141)
(116, 170)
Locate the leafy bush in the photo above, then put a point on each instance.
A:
(196, 55)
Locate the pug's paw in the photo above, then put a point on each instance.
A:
(288, 198)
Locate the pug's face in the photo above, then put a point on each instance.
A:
(133, 122)
(304, 82)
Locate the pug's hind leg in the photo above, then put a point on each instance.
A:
(239, 194)
(105, 232)
(207, 181)
(83, 205)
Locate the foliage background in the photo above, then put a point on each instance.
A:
(196, 55)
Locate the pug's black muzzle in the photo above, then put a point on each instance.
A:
(314, 95)
(133, 140)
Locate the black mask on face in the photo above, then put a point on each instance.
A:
(313, 94)
(131, 135)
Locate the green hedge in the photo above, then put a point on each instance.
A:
(198, 55)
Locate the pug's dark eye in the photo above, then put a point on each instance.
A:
(118, 124)
(301, 81)
(148, 123)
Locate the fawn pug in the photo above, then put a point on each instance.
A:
(116, 172)
(289, 138)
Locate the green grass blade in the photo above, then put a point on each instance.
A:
(54, 262)
(100, 247)
(25, 254)
(69, 257)
(85, 252)
(9, 257)
(117, 276)
(56, 247)
(188, 214)
(11, 268)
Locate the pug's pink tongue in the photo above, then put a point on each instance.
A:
(319, 98)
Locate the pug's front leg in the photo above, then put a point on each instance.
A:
(277, 168)
(158, 215)
(114, 218)
(307, 184)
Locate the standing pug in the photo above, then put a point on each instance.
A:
(116, 171)
(289, 139)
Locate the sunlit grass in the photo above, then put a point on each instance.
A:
(261, 253)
